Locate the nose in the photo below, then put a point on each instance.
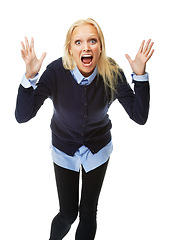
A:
(86, 46)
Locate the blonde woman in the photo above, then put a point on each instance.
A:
(82, 85)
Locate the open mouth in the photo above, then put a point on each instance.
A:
(86, 59)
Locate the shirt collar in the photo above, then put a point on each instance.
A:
(79, 77)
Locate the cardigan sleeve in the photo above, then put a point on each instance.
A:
(135, 103)
(29, 100)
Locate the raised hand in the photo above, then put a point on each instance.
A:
(138, 65)
(33, 65)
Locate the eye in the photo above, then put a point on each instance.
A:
(93, 41)
(77, 42)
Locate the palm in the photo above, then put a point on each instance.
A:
(138, 65)
(33, 65)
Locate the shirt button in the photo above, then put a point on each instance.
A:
(81, 134)
(84, 116)
(85, 104)
(83, 126)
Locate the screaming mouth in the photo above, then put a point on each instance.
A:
(86, 59)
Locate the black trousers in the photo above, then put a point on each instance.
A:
(67, 182)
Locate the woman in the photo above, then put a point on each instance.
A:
(82, 86)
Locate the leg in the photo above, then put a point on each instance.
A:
(91, 187)
(67, 182)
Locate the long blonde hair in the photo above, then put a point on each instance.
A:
(107, 67)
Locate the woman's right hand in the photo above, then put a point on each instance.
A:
(33, 65)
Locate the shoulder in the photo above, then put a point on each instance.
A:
(53, 72)
(56, 65)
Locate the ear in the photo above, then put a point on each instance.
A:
(70, 50)
(100, 52)
(100, 48)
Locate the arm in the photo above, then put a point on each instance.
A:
(136, 103)
(30, 99)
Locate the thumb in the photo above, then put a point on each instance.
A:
(128, 58)
(42, 57)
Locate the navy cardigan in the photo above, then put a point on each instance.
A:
(80, 112)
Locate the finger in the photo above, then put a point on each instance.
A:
(128, 58)
(23, 55)
(42, 57)
(149, 49)
(32, 45)
(147, 45)
(150, 55)
(141, 46)
(23, 47)
(27, 45)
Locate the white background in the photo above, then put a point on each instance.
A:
(134, 200)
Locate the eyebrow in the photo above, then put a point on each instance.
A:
(90, 36)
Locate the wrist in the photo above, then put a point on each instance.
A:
(140, 78)
(140, 74)
(29, 76)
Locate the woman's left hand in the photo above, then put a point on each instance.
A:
(138, 65)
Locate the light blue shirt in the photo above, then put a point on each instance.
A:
(83, 156)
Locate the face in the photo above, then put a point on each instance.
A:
(85, 48)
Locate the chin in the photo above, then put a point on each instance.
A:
(87, 72)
